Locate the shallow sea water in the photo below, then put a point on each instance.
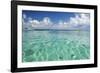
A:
(55, 45)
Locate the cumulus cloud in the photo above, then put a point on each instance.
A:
(79, 19)
(24, 16)
(46, 23)
(34, 23)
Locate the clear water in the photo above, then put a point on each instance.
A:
(55, 45)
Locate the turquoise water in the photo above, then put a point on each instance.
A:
(55, 45)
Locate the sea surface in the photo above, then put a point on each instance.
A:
(51, 45)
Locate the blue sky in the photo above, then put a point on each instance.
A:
(54, 16)
(55, 20)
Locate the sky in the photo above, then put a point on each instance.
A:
(55, 20)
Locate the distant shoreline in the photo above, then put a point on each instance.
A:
(54, 30)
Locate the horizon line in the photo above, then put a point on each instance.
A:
(58, 29)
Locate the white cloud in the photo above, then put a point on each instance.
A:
(80, 19)
(34, 23)
(84, 19)
(24, 16)
(46, 23)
